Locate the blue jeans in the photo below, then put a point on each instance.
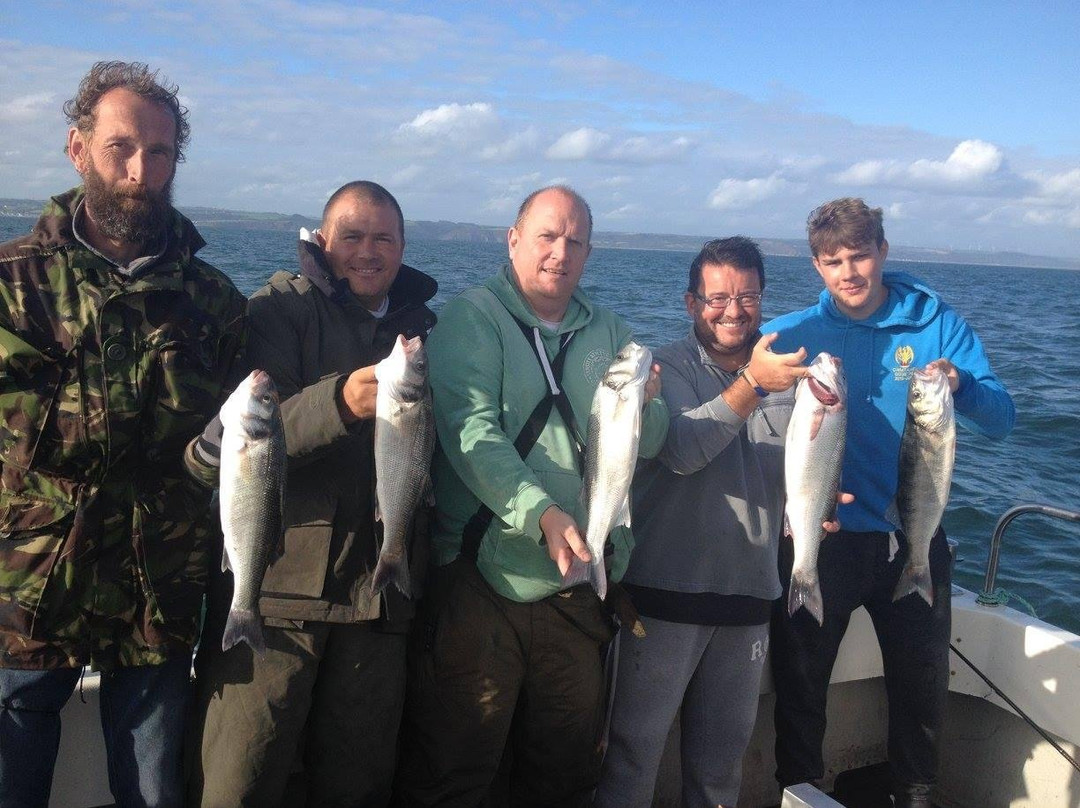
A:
(142, 717)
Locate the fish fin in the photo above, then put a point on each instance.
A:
(787, 528)
(815, 424)
(246, 625)
(805, 592)
(915, 579)
(591, 571)
(894, 545)
(225, 565)
(624, 512)
(393, 570)
(378, 511)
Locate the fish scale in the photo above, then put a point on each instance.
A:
(927, 456)
(404, 443)
(813, 457)
(611, 446)
(252, 492)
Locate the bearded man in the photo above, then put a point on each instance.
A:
(115, 345)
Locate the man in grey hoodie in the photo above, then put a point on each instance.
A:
(707, 514)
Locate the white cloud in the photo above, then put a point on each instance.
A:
(970, 161)
(870, 172)
(520, 144)
(733, 194)
(1059, 186)
(623, 212)
(451, 119)
(640, 149)
(26, 108)
(580, 144)
(971, 164)
(407, 175)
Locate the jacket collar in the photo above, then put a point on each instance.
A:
(55, 229)
(410, 287)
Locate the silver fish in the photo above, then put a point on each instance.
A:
(611, 447)
(813, 456)
(404, 442)
(252, 494)
(927, 454)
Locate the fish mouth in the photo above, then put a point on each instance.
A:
(822, 392)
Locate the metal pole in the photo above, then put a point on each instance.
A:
(986, 597)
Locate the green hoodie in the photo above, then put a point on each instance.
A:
(486, 380)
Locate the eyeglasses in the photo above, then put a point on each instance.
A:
(750, 300)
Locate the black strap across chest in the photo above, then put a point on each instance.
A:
(473, 532)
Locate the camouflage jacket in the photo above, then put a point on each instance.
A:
(103, 380)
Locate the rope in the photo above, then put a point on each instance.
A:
(1001, 597)
(1045, 735)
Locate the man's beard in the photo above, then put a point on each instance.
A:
(134, 217)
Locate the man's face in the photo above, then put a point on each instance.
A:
(548, 252)
(127, 164)
(853, 278)
(362, 242)
(728, 333)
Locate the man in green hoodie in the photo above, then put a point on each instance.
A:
(508, 652)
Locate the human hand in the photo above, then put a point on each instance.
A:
(842, 498)
(652, 386)
(775, 371)
(563, 538)
(357, 398)
(950, 371)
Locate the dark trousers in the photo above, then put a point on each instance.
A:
(491, 674)
(142, 718)
(328, 694)
(854, 571)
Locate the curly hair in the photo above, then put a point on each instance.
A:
(139, 79)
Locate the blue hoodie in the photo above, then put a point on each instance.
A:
(912, 328)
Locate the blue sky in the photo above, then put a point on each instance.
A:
(961, 120)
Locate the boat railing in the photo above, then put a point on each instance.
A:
(988, 596)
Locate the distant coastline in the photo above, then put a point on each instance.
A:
(464, 231)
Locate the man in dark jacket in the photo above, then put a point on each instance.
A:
(115, 344)
(330, 686)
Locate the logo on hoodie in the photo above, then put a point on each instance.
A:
(904, 356)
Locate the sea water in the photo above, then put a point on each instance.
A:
(1028, 321)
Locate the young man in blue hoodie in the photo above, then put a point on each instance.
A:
(883, 325)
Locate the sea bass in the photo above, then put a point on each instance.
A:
(252, 494)
(927, 453)
(813, 456)
(611, 447)
(404, 442)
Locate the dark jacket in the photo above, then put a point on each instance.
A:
(104, 541)
(310, 332)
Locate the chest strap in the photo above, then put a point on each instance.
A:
(473, 532)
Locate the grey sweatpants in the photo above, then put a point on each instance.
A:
(714, 674)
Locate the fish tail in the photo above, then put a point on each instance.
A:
(391, 570)
(590, 571)
(805, 592)
(915, 579)
(246, 625)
